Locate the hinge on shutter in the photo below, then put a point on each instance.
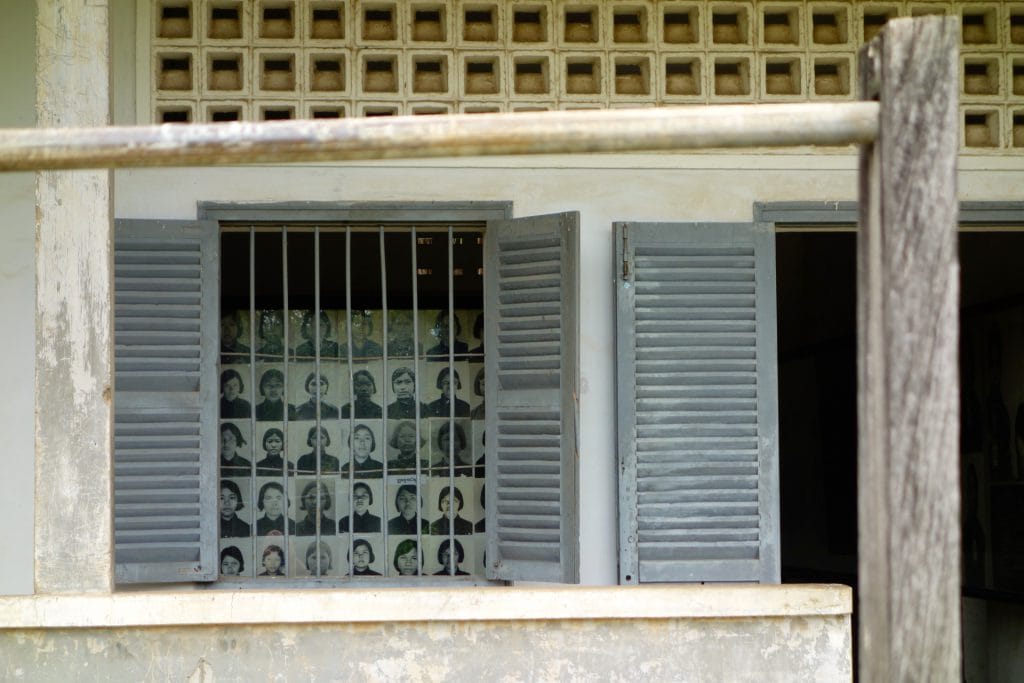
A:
(625, 251)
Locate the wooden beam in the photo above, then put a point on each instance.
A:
(73, 500)
(408, 137)
(908, 399)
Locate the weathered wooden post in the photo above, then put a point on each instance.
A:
(908, 399)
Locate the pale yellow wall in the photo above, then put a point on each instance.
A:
(17, 300)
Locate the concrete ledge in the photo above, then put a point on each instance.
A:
(253, 607)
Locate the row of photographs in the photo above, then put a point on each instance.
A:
(267, 391)
(432, 332)
(358, 555)
(303, 507)
(363, 446)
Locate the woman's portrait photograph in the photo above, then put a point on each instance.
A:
(234, 347)
(437, 328)
(406, 503)
(403, 447)
(400, 335)
(315, 385)
(445, 557)
(273, 462)
(362, 444)
(406, 557)
(273, 503)
(449, 383)
(235, 558)
(307, 348)
(450, 506)
(364, 388)
(232, 388)
(232, 446)
(364, 560)
(320, 558)
(478, 412)
(315, 501)
(451, 439)
(365, 339)
(232, 501)
(272, 394)
(478, 333)
(270, 333)
(479, 450)
(403, 389)
(317, 442)
(272, 560)
(365, 495)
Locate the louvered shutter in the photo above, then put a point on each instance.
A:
(165, 429)
(531, 294)
(697, 403)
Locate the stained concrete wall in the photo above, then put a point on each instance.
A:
(17, 300)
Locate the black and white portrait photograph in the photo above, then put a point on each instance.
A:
(236, 558)
(319, 558)
(481, 524)
(307, 347)
(270, 334)
(235, 449)
(366, 448)
(364, 402)
(366, 337)
(404, 445)
(406, 505)
(234, 331)
(448, 512)
(366, 560)
(273, 506)
(435, 324)
(315, 386)
(400, 335)
(315, 447)
(441, 554)
(367, 498)
(478, 412)
(272, 558)
(406, 557)
(451, 449)
(316, 502)
(233, 401)
(403, 405)
(479, 449)
(235, 518)
(273, 462)
(271, 403)
(447, 390)
(478, 333)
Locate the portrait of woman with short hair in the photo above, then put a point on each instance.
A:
(307, 349)
(362, 558)
(364, 387)
(478, 333)
(439, 331)
(272, 407)
(441, 466)
(407, 558)
(272, 561)
(273, 463)
(307, 410)
(450, 514)
(400, 335)
(232, 405)
(306, 464)
(230, 503)
(232, 463)
(309, 504)
(362, 345)
(232, 350)
(403, 384)
(442, 407)
(406, 503)
(232, 563)
(403, 440)
(364, 522)
(274, 505)
(319, 559)
(479, 389)
(362, 444)
(444, 558)
(270, 334)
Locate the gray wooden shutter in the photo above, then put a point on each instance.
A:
(531, 294)
(165, 408)
(697, 402)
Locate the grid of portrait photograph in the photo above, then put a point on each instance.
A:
(325, 470)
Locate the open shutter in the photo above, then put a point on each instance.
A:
(165, 410)
(531, 294)
(697, 402)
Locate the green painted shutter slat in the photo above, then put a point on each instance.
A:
(165, 410)
(531, 295)
(697, 403)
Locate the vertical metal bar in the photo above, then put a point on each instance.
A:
(351, 398)
(384, 347)
(416, 389)
(451, 403)
(284, 409)
(252, 383)
(316, 382)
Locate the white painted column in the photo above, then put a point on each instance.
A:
(74, 355)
